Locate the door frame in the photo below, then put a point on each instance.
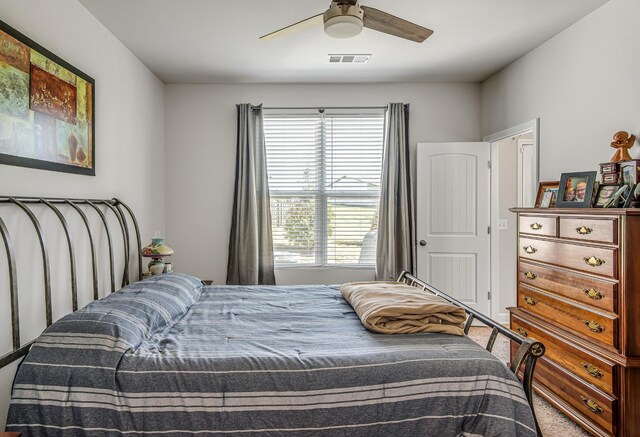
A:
(534, 127)
(520, 167)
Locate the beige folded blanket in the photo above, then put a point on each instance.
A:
(395, 308)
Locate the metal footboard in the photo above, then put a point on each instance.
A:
(528, 352)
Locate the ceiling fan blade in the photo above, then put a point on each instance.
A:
(316, 20)
(386, 23)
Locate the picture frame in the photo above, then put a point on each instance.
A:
(633, 199)
(630, 172)
(620, 195)
(605, 193)
(548, 198)
(544, 187)
(47, 108)
(576, 189)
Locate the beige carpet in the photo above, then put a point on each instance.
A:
(551, 421)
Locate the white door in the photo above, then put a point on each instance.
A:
(453, 220)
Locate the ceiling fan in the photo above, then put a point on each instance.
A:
(346, 18)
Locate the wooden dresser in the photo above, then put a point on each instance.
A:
(579, 294)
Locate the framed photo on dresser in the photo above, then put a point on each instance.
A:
(576, 189)
(547, 194)
(547, 197)
(605, 193)
(619, 198)
(630, 172)
(633, 201)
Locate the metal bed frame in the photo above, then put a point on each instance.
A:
(527, 354)
(117, 207)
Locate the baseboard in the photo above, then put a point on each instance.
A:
(503, 318)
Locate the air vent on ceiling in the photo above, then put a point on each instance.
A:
(349, 59)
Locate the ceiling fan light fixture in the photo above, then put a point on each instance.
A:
(343, 22)
(344, 26)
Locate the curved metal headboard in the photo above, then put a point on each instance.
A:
(58, 205)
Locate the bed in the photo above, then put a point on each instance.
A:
(169, 356)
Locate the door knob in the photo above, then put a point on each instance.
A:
(422, 243)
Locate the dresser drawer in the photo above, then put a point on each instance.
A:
(539, 225)
(594, 292)
(595, 406)
(583, 364)
(575, 319)
(602, 230)
(596, 260)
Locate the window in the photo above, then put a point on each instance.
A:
(324, 180)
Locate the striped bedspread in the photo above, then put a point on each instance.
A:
(167, 356)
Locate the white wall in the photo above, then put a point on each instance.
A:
(130, 139)
(200, 160)
(583, 84)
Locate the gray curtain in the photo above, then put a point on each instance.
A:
(395, 250)
(250, 241)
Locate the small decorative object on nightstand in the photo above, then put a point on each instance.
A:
(157, 250)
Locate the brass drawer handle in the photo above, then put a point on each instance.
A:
(593, 326)
(593, 261)
(530, 275)
(583, 230)
(592, 370)
(522, 331)
(535, 226)
(529, 300)
(591, 405)
(592, 293)
(530, 249)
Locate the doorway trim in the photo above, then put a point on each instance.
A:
(534, 127)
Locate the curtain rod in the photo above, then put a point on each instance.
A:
(323, 107)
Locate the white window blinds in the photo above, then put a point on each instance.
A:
(324, 181)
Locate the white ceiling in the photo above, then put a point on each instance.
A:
(215, 41)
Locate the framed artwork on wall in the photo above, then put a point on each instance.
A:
(47, 116)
